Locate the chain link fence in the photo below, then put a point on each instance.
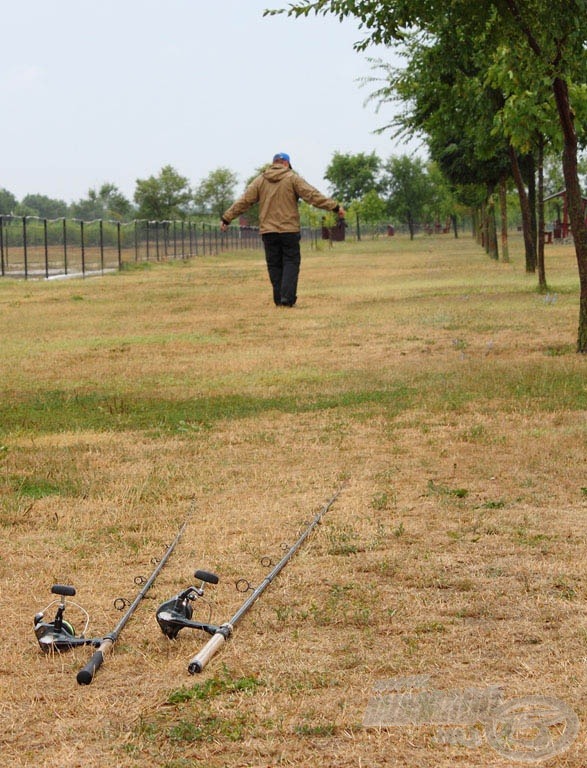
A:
(35, 248)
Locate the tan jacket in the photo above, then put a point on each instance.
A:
(277, 190)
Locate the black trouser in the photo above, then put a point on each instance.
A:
(282, 252)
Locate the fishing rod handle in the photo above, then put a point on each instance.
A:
(211, 648)
(86, 674)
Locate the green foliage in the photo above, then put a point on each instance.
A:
(315, 731)
(44, 207)
(216, 192)
(440, 489)
(209, 727)
(351, 176)
(57, 411)
(37, 488)
(380, 501)
(343, 541)
(8, 202)
(105, 203)
(219, 685)
(372, 208)
(527, 112)
(408, 189)
(164, 197)
(312, 217)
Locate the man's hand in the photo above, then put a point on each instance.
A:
(223, 226)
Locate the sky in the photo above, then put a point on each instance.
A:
(114, 90)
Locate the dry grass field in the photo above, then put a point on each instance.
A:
(435, 618)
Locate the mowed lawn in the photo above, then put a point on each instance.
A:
(436, 617)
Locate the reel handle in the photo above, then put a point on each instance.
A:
(209, 578)
(63, 589)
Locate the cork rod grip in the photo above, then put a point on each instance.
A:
(211, 648)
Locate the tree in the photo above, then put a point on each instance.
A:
(44, 207)
(441, 204)
(88, 208)
(164, 197)
(352, 176)
(372, 208)
(116, 205)
(407, 190)
(216, 192)
(8, 202)
(104, 203)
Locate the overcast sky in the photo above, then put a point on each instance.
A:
(113, 90)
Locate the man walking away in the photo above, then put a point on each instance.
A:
(277, 190)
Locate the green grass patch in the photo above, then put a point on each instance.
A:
(59, 411)
(208, 727)
(37, 488)
(215, 686)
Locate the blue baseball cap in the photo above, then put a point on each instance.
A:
(282, 156)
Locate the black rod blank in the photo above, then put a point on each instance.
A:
(199, 661)
(86, 674)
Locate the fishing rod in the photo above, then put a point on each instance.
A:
(221, 633)
(86, 674)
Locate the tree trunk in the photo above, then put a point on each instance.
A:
(574, 201)
(503, 206)
(532, 197)
(476, 218)
(492, 248)
(541, 266)
(526, 213)
(484, 229)
(411, 225)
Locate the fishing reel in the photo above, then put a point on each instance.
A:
(176, 614)
(59, 634)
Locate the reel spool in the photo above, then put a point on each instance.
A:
(176, 614)
(59, 634)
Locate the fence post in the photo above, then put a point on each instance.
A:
(65, 246)
(46, 248)
(101, 225)
(83, 246)
(119, 243)
(2, 244)
(25, 249)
